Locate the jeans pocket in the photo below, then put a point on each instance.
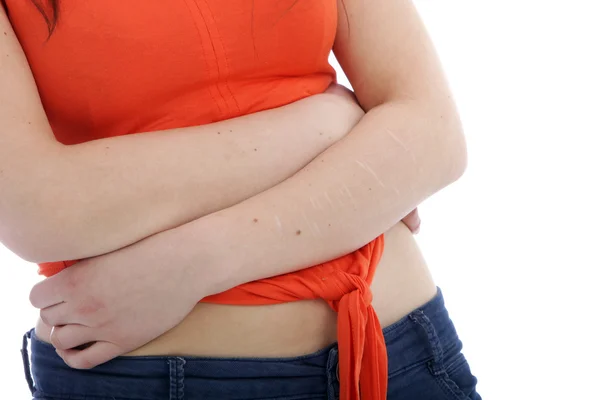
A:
(457, 379)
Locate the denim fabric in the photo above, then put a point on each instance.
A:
(425, 363)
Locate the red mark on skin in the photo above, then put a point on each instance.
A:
(72, 282)
(92, 307)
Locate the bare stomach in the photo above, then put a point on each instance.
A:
(402, 283)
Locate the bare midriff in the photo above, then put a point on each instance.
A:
(402, 283)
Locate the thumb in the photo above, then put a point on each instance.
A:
(96, 354)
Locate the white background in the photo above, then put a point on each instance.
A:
(514, 243)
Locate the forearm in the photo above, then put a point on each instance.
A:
(63, 202)
(116, 191)
(396, 157)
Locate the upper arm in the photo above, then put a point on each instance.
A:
(386, 53)
(22, 118)
(26, 143)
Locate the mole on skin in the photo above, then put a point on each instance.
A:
(298, 232)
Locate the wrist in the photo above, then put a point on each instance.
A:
(201, 250)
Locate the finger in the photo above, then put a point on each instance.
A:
(417, 221)
(71, 336)
(341, 90)
(47, 293)
(55, 315)
(96, 354)
(412, 221)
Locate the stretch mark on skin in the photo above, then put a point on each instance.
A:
(345, 191)
(328, 199)
(317, 229)
(369, 170)
(309, 224)
(315, 203)
(278, 223)
(406, 149)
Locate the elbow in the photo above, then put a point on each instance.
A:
(23, 246)
(453, 142)
(37, 234)
(22, 228)
(36, 245)
(458, 155)
(41, 247)
(37, 217)
(25, 251)
(47, 249)
(439, 136)
(450, 158)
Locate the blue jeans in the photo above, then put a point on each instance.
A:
(424, 357)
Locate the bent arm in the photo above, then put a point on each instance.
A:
(408, 146)
(69, 202)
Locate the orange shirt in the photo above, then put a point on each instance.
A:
(115, 67)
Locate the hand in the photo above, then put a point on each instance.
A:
(413, 221)
(351, 110)
(342, 91)
(118, 302)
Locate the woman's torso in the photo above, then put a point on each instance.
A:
(113, 69)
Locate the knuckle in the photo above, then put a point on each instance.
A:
(45, 318)
(57, 342)
(71, 362)
(33, 298)
(81, 363)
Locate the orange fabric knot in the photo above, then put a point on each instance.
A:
(362, 351)
(344, 284)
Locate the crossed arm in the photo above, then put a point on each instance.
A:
(157, 180)
(407, 147)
